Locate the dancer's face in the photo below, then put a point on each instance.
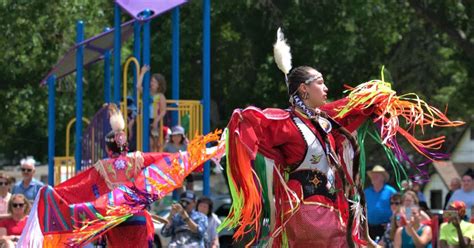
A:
(316, 90)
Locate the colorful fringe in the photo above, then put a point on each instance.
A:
(245, 213)
(378, 98)
(163, 180)
(397, 168)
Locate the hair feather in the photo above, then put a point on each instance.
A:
(116, 119)
(281, 53)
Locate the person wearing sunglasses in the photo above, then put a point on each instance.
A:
(11, 228)
(5, 194)
(413, 232)
(29, 186)
(391, 228)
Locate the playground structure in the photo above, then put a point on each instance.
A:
(196, 113)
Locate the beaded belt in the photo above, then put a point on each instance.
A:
(313, 182)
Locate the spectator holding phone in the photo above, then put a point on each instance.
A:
(186, 226)
(409, 199)
(455, 232)
(412, 233)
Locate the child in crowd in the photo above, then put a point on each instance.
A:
(157, 106)
(178, 141)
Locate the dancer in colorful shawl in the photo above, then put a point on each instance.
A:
(294, 173)
(111, 198)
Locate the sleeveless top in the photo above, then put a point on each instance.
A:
(407, 241)
(154, 106)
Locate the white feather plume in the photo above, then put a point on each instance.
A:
(281, 53)
(116, 119)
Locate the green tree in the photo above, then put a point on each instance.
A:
(346, 40)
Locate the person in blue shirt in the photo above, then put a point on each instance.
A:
(186, 226)
(29, 186)
(378, 201)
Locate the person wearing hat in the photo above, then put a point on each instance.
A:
(186, 226)
(378, 201)
(178, 141)
(456, 232)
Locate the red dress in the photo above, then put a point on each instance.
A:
(310, 206)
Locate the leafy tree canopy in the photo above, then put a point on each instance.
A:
(426, 46)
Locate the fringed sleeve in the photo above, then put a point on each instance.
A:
(250, 132)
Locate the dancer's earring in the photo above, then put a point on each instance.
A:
(306, 96)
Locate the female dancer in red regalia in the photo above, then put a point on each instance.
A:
(308, 174)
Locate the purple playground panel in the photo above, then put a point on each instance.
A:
(94, 49)
(93, 139)
(136, 8)
(96, 46)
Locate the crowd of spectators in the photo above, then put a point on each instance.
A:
(403, 218)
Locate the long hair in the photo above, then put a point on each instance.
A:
(413, 195)
(161, 82)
